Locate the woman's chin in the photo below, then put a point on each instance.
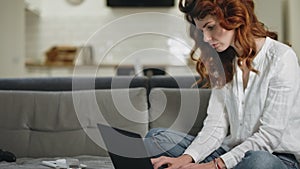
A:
(220, 49)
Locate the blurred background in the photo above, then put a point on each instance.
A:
(43, 38)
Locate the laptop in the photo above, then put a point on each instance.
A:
(126, 149)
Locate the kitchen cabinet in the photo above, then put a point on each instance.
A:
(40, 70)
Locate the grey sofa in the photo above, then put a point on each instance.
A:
(51, 118)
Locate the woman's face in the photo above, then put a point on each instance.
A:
(218, 37)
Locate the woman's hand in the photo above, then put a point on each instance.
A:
(172, 163)
(183, 162)
(209, 165)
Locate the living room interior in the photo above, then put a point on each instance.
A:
(31, 28)
(64, 62)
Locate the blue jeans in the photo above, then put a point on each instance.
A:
(160, 141)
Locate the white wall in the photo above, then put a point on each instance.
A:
(294, 25)
(281, 16)
(60, 23)
(63, 24)
(12, 38)
(271, 13)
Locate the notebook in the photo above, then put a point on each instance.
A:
(126, 149)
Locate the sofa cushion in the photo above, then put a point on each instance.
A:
(178, 109)
(72, 83)
(174, 82)
(52, 124)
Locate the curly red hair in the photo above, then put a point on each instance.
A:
(235, 15)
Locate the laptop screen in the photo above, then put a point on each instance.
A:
(126, 149)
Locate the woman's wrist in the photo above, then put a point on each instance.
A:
(187, 158)
(219, 163)
(215, 164)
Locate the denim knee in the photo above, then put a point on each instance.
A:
(154, 131)
(167, 142)
(261, 160)
(158, 143)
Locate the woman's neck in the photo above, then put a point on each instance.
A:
(259, 44)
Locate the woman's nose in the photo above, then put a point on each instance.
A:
(206, 37)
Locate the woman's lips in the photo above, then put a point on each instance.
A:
(215, 45)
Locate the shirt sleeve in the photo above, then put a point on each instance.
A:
(214, 129)
(276, 113)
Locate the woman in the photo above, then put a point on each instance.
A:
(253, 112)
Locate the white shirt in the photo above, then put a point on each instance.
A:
(264, 116)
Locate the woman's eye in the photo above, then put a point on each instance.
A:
(210, 28)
